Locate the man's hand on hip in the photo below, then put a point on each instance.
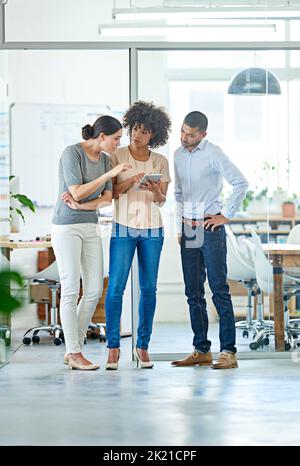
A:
(214, 221)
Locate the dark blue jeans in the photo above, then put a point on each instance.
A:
(207, 255)
(124, 241)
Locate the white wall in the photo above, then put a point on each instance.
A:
(69, 77)
(62, 20)
(56, 20)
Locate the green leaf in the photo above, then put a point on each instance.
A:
(20, 213)
(15, 277)
(11, 177)
(7, 302)
(25, 201)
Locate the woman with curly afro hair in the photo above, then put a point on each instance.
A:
(137, 224)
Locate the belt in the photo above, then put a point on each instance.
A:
(196, 223)
(192, 223)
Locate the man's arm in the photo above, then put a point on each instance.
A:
(234, 177)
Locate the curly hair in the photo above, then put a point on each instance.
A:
(154, 119)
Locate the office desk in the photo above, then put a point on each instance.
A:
(281, 255)
(7, 246)
(276, 224)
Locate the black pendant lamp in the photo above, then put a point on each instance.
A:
(254, 81)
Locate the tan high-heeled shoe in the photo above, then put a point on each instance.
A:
(81, 367)
(113, 366)
(142, 364)
(66, 358)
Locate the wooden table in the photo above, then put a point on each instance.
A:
(281, 255)
(6, 246)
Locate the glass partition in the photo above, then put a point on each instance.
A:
(4, 210)
(259, 133)
(52, 95)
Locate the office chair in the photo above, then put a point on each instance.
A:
(260, 322)
(241, 270)
(294, 238)
(97, 330)
(50, 278)
(291, 287)
(294, 235)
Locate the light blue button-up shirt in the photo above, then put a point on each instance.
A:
(199, 182)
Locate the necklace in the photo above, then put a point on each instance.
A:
(136, 159)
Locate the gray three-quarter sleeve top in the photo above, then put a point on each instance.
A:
(75, 168)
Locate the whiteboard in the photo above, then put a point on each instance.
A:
(39, 134)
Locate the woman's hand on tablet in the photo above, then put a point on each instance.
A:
(151, 186)
(137, 178)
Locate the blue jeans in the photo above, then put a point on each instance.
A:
(124, 241)
(208, 255)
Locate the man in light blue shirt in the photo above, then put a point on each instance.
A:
(200, 167)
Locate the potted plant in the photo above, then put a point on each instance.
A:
(288, 207)
(23, 201)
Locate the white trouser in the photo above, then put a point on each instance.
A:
(78, 252)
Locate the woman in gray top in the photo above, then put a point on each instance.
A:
(84, 186)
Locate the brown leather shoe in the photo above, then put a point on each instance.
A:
(225, 361)
(195, 359)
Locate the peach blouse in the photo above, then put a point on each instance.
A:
(136, 208)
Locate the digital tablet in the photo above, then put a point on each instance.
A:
(149, 177)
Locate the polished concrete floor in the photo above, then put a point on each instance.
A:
(44, 403)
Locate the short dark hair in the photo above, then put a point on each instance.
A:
(154, 119)
(196, 120)
(105, 124)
